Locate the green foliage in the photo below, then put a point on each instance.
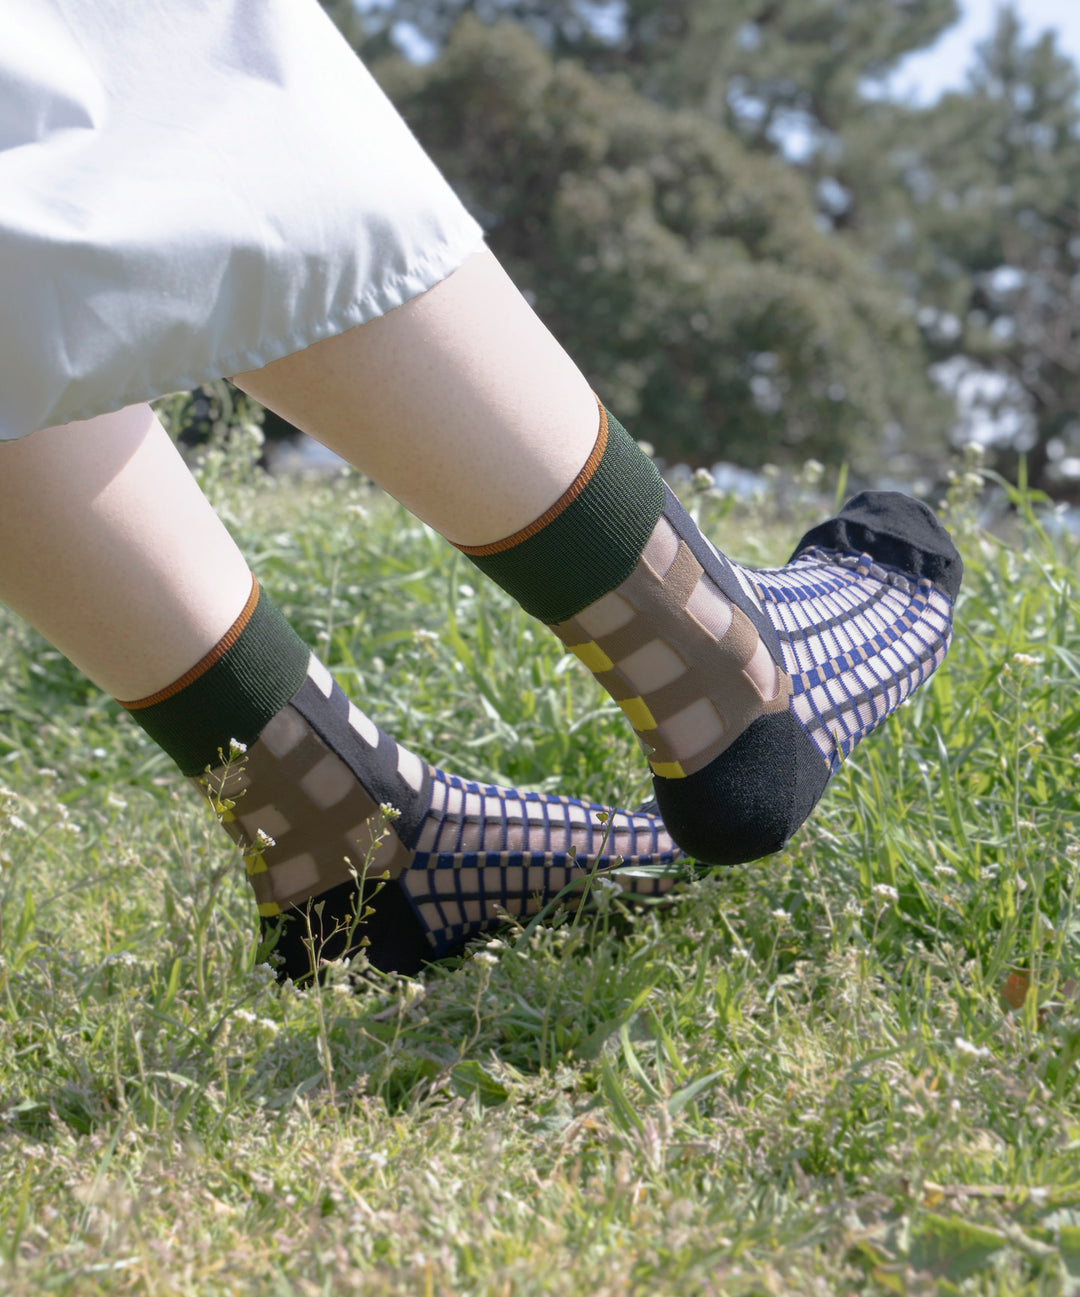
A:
(898, 278)
(973, 203)
(747, 64)
(685, 273)
(800, 1077)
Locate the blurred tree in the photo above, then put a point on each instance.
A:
(761, 67)
(974, 207)
(686, 274)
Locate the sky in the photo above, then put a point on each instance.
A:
(927, 75)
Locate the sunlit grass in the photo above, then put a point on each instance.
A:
(801, 1078)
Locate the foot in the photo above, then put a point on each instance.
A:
(324, 805)
(747, 689)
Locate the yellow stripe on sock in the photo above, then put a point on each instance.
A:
(668, 769)
(593, 656)
(269, 908)
(255, 864)
(638, 713)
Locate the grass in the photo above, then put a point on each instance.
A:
(852, 1067)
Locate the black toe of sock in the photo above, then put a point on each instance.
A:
(897, 531)
(747, 802)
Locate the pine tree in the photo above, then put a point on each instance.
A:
(974, 207)
(687, 274)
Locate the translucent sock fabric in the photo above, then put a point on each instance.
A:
(324, 805)
(746, 689)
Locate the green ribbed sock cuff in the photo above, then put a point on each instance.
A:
(233, 698)
(589, 542)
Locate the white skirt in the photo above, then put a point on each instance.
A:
(191, 189)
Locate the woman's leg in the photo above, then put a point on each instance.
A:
(746, 689)
(108, 547)
(460, 404)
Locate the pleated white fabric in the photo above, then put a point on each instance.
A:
(191, 189)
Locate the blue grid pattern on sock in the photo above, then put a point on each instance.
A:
(857, 639)
(485, 852)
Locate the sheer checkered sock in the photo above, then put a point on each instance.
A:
(325, 804)
(747, 689)
(351, 841)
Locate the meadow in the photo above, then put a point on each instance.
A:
(851, 1067)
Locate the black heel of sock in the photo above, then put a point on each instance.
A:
(749, 800)
(897, 531)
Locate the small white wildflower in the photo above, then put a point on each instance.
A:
(263, 840)
(236, 748)
(483, 957)
(945, 871)
(100, 753)
(244, 1015)
(426, 636)
(389, 812)
(702, 479)
(1073, 850)
(1076, 758)
(781, 916)
(117, 802)
(812, 471)
(972, 1051)
(377, 1160)
(884, 892)
(1026, 660)
(610, 885)
(267, 1024)
(262, 974)
(1038, 1194)
(466, 591)
(1029, 825)
(17, 822)
(46, 772)
(496, 944)
(123, 957)
(852, 907)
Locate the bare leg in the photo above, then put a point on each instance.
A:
(460, 404)
(109, 548)
(746, 690)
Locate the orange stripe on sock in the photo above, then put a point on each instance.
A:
(204, 663)
(571, 493)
